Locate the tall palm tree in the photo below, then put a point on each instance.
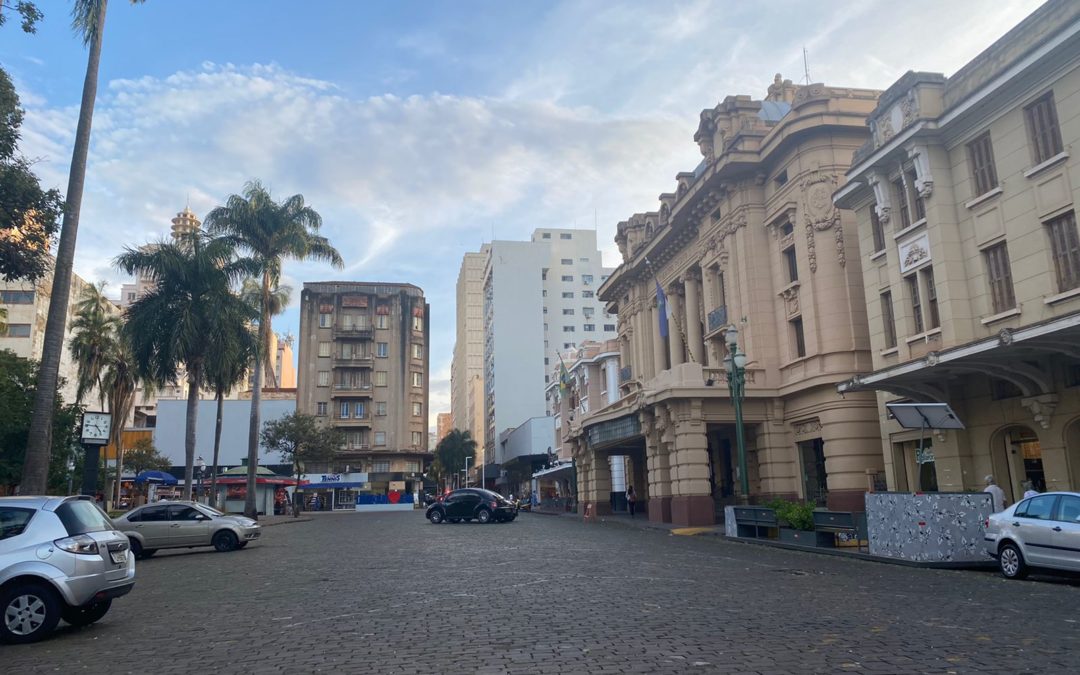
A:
(88, 21)
(227, 365)
(190, 308)
(268, 232)
(280, 295)
(93, 338)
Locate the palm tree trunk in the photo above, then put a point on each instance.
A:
(250, 510)
(217, 448)
(194, 377)
(36, 464)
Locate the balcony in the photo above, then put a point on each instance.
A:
(352, 422)
(347, 447)
(717, 319)
(366, 361)
(353, 332)
(351, 391)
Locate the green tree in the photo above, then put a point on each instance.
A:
(28, 13)
(452, 451)
(88, 21)
(300, 439)
(17, 377)
(143, 456)
(191, 307)
(269, 233)
(29, 215)
(279, 297)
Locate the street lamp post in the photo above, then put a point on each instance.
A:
(200, 464)
(466, 469)
(735, 364)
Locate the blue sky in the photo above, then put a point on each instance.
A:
(419, 128)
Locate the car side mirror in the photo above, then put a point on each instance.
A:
(201, 517)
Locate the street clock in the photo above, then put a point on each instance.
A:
(96, 427)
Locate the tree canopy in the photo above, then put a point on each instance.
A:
(143, 456)
(452, 451)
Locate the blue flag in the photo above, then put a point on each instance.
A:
(661, 305)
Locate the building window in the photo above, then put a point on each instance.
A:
(920, 205)
(1043, 128)
(344, 410)
(888, 319)
(324, 378)
(418, 323)
(412, 466)
(588, 312)
(382, 321)
(17, 330)
(931, 297)
(381, 466)
(787, 228)
(609, 326)
(586, 279)
(417, 409)
(568, 295)
(24, 297)
(916, 302)
(382, 349)
(1065, 249)
(359, 412)
(568, 345)
(584, 260)
(417, 351)
(567, 261)
(380, 378)
(380, 408)
(589, 328)
(983, 171)
(877, 229)
(568, 277)
(791, 264)
(799, 337)
(1000, 276)
(566, 235)
(568, 312)
(324, 349)
(586, 294)
(325, 319)
(320, 408)
(417, 438)
(902, 202)
(417, 379)
(545, 235)
(568, 329)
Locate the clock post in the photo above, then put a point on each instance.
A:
(96, 427)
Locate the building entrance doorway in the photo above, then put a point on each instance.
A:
(815, 479)
(1017, 458)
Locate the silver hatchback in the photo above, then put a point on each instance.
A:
(60, 558)
(184, 525)
(1041, 532)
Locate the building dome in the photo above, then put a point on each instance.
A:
(185, 222)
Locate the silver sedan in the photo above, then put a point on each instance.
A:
(1040, 532)
(184, 525)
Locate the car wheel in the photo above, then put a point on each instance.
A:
(225, 541)
(242, 544)
(28, 612)
(86, 615)
(435, 517)
(483, 516)
(136, 549)
(1011, 562)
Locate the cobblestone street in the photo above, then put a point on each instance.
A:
(382, 593)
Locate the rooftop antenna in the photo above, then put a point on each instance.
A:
(806, 63)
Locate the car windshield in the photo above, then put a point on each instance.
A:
(80, 516)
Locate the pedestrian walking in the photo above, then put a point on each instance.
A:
(1029, 489)
(631, 499)
(997, 495)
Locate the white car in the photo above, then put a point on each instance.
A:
(1040, 532)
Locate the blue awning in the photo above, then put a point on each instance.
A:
(331, 486)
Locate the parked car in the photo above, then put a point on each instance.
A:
(60, 558)
(184, 525)
(471, 503)
(1041, 532)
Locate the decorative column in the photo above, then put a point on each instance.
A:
(692, 504)
(659, 358)
(675, 343)
(693, 316)
(852, 444)
(657, 466)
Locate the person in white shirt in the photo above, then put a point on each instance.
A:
(997, 495)
(1029, 489)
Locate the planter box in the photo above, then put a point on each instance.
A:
(807, 538)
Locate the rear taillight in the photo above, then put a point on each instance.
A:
(80, 544)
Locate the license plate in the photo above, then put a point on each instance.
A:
(119, 557)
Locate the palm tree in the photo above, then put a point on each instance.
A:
(88, 21)
(269, 233)
(227, 364)
(280, 295)
(93, 338)
(453, 449)
(191, 307)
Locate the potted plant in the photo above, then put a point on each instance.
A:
(799, 520)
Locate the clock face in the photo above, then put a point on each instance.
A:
(96, 427)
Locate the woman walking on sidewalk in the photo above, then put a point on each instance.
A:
(631, 498)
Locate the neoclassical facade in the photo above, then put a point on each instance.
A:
(966, 208)
(750, 238)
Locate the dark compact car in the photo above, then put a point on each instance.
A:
(471, 503)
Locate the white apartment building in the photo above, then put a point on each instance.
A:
(539, 299)
(467, 369)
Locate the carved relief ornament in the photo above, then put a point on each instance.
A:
(820, 214)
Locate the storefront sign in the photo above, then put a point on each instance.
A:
(398, 485)
(331, 479)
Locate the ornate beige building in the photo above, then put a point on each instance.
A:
(749, 238)
(965, 204)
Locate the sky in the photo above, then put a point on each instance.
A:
(420, 130)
